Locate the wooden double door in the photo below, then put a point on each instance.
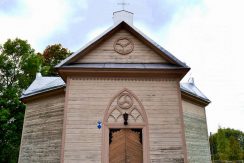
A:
(125, 146)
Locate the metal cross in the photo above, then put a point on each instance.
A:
(123, 4)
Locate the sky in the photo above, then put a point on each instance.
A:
(208, 35)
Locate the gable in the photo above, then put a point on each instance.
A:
(101, 51)
(105, 52)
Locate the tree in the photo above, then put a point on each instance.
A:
(222, 145)
(227, 144)
(213, 146)
(18, 66)
(52, 55)
(11, 122)
(235, 149)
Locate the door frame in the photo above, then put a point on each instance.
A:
(107, 126)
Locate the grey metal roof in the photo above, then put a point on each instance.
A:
(65, 61)
(45, 84)
(191, 89)
(160, 47)
(84, 47)
(124, 65)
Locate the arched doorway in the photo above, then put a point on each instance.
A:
(125, 130)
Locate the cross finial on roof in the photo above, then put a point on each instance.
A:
(123, 4)
(191, 80)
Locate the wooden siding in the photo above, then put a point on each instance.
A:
(196, 133)
(105, 53)
(42, 130)
(88, 99)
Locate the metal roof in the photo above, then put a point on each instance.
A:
(191, 89)
(112, 28)
(124, 65)
(45, 84)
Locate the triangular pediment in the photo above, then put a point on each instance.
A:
(122, 44)
(121, 47)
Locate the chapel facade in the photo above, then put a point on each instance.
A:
(118, 100)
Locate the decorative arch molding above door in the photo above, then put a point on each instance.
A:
(124, 102)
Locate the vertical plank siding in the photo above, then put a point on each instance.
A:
(88, 100)
(42, 130)
(196, 133)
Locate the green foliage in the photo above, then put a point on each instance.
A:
(235, 149)
(18, 66)
(223, 145)
(227, 144)
(52, 55)
(213, 145)
(11, 121)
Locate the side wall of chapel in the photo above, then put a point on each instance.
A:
(196, 133)
(42, 130)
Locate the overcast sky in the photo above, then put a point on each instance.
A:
(206, 34)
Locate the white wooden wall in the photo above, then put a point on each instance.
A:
(196, 133)
(42, 130)
(89, 97)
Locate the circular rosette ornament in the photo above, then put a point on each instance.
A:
(123, 45)
(125, 101)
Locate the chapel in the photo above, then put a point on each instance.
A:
(118, 99)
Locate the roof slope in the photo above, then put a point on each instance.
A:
(43, 84)
(112, 30)
(191, 89)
